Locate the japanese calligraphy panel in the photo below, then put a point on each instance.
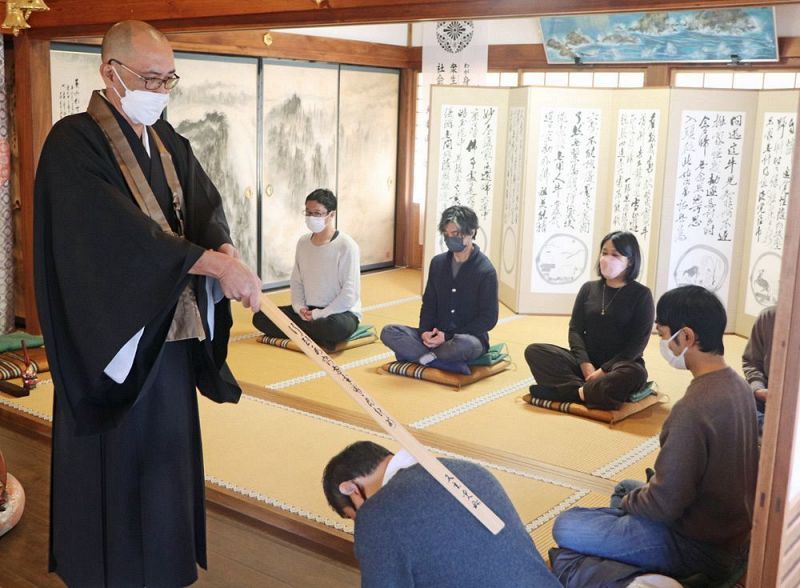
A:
(566, 188)
(771, 202)
(635, 176)
(467, 146)
(709, 167)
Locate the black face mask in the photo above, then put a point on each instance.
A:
(455, 244)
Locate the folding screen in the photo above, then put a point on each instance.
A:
(640, 139)
(368, 109)
(215, 106)
(705, 190)
(74, 74)
(466, 162)
(672, 166)
(771, 168)
(513, 196)
(300, 121)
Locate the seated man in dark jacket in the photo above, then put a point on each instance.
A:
(459, 305)
(410, 532)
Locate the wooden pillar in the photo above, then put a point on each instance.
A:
(657, 76)
(766, 541)
(404, 238)
(33, 120)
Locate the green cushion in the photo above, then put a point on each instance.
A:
(13, 341)
(649, 388)
(361, 332)
(496, 354)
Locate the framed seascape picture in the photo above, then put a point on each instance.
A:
(215, 106)
(719, 35)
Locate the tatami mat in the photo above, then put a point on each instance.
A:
(273, 446)
(276, 455)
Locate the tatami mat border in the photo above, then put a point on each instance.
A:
(254, 334)
(414, 298)
(274, 502)
(26, 410)
(565, 504)
(508, 319)
(321, 374)
(628, 459)
(472, 404)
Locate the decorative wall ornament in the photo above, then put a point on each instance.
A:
(455, 52)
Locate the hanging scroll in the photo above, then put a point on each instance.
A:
(466, 164)
(566, 188)
(635, 176)
(74, 74)
(706, 193)
(772, 199)
(512, 198)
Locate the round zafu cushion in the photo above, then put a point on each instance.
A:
(15, 504)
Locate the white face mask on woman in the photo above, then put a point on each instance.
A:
(611, 267)
(141, 106)
(676, 361)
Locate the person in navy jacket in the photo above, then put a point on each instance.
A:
(459, 306)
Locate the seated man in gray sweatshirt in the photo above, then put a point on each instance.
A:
(694, 515)
(409, 531)
(756, 358)
(326, 279)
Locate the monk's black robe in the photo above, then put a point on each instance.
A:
(127, 494)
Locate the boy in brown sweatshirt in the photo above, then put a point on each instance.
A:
(694, 515)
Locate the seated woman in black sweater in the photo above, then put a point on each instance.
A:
(610, 326)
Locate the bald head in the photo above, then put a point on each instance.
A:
(130, 37)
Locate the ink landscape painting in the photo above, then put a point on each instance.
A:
(215, 106)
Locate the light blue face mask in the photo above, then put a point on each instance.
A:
(676, 361)
(455, 244)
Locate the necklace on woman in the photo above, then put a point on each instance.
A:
(603, 306)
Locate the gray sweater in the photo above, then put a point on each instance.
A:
(758, 352)
(705, 480)
(413, 533)
(327, 277)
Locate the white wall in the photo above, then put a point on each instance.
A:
(505, 31)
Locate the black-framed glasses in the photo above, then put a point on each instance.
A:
(315, 214)
(152, 83)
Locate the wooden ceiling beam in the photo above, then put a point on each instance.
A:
(87, 17)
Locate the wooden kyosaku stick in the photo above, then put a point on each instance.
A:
(389, 424)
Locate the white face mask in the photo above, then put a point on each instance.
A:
(315, 224)
(611, 267)
(141, 106)
(676, 361)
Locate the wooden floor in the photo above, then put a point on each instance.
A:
(239, 554)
